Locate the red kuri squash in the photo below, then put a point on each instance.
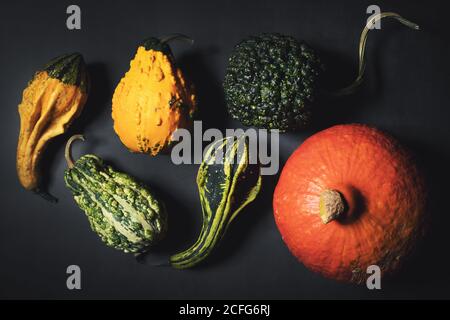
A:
(349, 197)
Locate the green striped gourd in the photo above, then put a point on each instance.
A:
(122, 211)
(225, 188)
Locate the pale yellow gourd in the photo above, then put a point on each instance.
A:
(52, 100)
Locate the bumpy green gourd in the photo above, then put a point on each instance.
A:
(227, 182)
(122, 211)
(272, 80)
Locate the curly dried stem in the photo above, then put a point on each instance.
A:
(362, 47)
(68, 149)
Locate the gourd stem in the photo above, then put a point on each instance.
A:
(176, 36)
(331, 205)
(68, 149)
(362, 47)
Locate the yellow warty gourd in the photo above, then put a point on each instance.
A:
(152, 100)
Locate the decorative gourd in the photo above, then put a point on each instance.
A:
(152, 100)
(272, 80)
(122, 211)
(347, 198)
(226, 183)
(53, 98)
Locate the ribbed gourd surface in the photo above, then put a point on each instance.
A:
(120, 210)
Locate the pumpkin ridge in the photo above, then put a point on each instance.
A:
(354, 156)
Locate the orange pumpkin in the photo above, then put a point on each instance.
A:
(350, 197)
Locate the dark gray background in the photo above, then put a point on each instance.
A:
(406, 93)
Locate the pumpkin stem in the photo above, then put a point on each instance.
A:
(331, 205)
(68, 149)
(176, 36)
(362, 47)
